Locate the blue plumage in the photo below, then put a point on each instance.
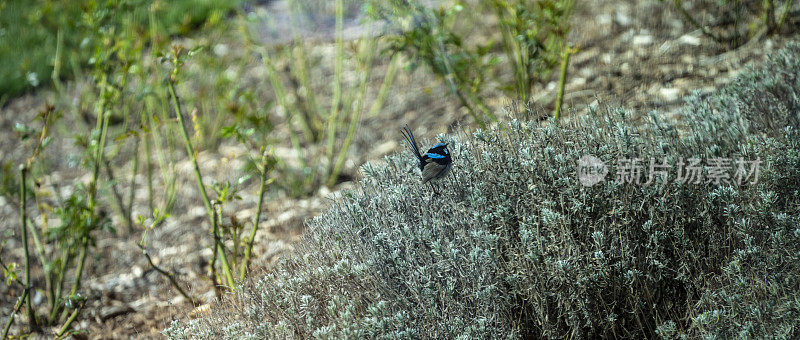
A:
(435, 163)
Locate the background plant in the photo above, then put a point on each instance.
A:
(107, 124)
(311, 121)
(534, 38)
(527, 251)
(533, 35)
(42, 38)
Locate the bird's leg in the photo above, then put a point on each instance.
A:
(435, 192)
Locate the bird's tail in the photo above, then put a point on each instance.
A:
(411, 141)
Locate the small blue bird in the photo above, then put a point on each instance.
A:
(434, 164)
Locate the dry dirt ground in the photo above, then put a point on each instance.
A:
(635, 54)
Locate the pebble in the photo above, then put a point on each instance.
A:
(642, 40)
(622, 19)
(221, 50)
(769, 45)
(603, 19)
(206, 252)
(38, 298)
(578, 81)
(323, 191)
(690, 40)
(670, 93)
(245, 215)
(385, 148)
(197, 211)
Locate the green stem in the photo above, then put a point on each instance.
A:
(102, 126)
(14, 312)
(343, 151)
(199, 178)
(118, 200)
(469, 100)
(251, 238)
(69, 321)
(226, 269)
(388, 81)
(131, 195)
(769, 15)
(280, 94)
(189, 148)
(66, 259)
(786, 7)
(23, 170)
(235, 234)
(513, 48)
(149, 170)
(366, 67)
(562, 80)
(79, 269)
(81, 263)
(301, 64)
(166, 166)
(40, 251)
(337, 84)
(57, 61)
(289, 110)
(213, 264)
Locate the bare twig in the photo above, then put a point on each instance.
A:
(168, 275)
(695, 23)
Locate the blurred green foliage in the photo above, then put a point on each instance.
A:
(459, 46)
(37, 36)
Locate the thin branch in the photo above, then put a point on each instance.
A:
(251, 238)
(69, 321)
(14, 312)
(117, 195)
(199, 178)
(562, 80)
(23, 171)
(168, 275)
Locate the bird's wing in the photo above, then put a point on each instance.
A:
(431, 170)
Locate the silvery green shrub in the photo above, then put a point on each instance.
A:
(516, 247)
